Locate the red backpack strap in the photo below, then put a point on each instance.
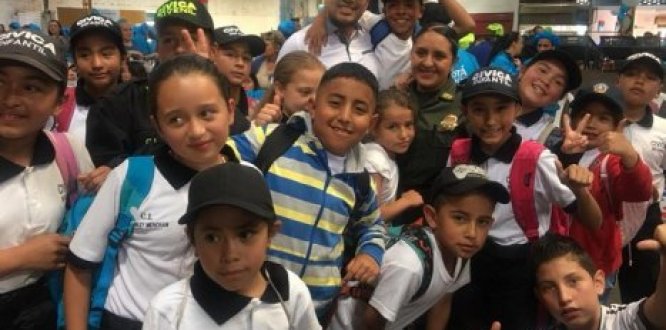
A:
(64, 118)
(521, 186)
(460, 151)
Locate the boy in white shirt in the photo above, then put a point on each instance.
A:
(426, 265)
(569, 284)
(230, 221)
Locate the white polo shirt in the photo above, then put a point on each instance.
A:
(531, 125)
(377, 161)
(198, 303)
(648, 136)
(157, 254)
(358, 50)
(625, 317)
(548, 190)
(33, 200)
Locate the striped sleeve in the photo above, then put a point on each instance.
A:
(370, 229)
(247, 144)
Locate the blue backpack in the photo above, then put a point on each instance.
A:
(134, 190)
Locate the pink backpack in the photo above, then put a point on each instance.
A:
(64, 118)
(521, 186)
(66, 162)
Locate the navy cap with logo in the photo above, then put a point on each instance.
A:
(610, 96)
(96, 24)
(463, 179)
(190, 12)
(649, 60)
(574, 76)
(230, 184)
(491, 81)
(229, 34)
(35, 49)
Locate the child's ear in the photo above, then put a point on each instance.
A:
(599, 279)
(430, 215)
(231, 107)
(274, 228)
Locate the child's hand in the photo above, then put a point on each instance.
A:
(44, 252)
(362, 268)
(658, 243)
(402, 80)
(412, 198)
(92, 180)
(200, 47)
(316, 36)
(577, 177)
(270, 112)
(574, 141)
(614, 142)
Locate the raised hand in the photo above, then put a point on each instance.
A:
(200, 47)
(577, 177)
(614, 142)
(270, 112)
(574, 141)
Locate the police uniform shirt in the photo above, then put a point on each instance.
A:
(198, 303)
(648, 136)
(358, 49)
(34, 199)
(157, 253)
(548, 190)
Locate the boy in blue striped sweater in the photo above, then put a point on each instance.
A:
(315, 186)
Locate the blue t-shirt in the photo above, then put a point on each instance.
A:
(465, 65)
(504, 61)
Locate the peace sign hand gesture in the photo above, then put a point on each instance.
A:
(574, 140)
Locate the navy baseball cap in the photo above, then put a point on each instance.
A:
(607, 94)
(490, 80)
(97, 24)
(191, 12)
(462, 179)
(35, 49)
(231, 184)
(230, 34)
(649, 60)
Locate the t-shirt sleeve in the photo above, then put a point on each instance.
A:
(376, 161)
(555, 191)
(399, 279)
(304, 311)
(293, 43)
(625, 317)
(89, 242)
(369, 19)
(163, 311)
(247, 145)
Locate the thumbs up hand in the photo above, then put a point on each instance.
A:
(270, 112)
(614, 142)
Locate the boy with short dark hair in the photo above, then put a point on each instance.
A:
(318, 187)
(230, 221)
(569, 284)
(596, 141)
(640, 81)
(500, 279)
(426, 265)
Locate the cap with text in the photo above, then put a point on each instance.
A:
(97, 24)
(36, 50)
(491, 81)
(463, 179)
(229, 34)
(191, 12)
(645, 59)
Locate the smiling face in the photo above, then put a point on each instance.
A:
(231, 245)
(98, 62)
(601, 121)
(344, 112)
(27, 100)
(432, 58)
(490, 118)
(542, 83)
(461, 224)
(402, 15)
(570, 293)
(193, 118)
(346, 13)
(639, 86)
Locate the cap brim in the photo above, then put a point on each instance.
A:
(21, 58)
(574, 76)
(492, 189)
(251, 208)
(256, 45)
(114, 37)
(581, 101)
(645, 61)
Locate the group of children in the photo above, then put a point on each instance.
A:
(285, 225)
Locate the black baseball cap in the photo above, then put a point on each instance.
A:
(35, 49)
(607, 94)
(230, 34)
(574, 76)
(649, 60)
(97, 24)
(231, 184)
(462, 179)
(191, 12)
(490, 80)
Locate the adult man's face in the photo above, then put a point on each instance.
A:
(346, 12)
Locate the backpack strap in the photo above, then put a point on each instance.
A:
(64, 118)
(278, 142)
(379, 32)
(521, 185)
(602, 162)
(461, 150)
(545, 133)
(417, 238)
(135, 188)
(66, 162)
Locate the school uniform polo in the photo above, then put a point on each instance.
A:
(157, 253)
(33, 200)
(199, 303)
(357, 49)
(548, 189)
(84, 101)
(648, 136)
(530, 125)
